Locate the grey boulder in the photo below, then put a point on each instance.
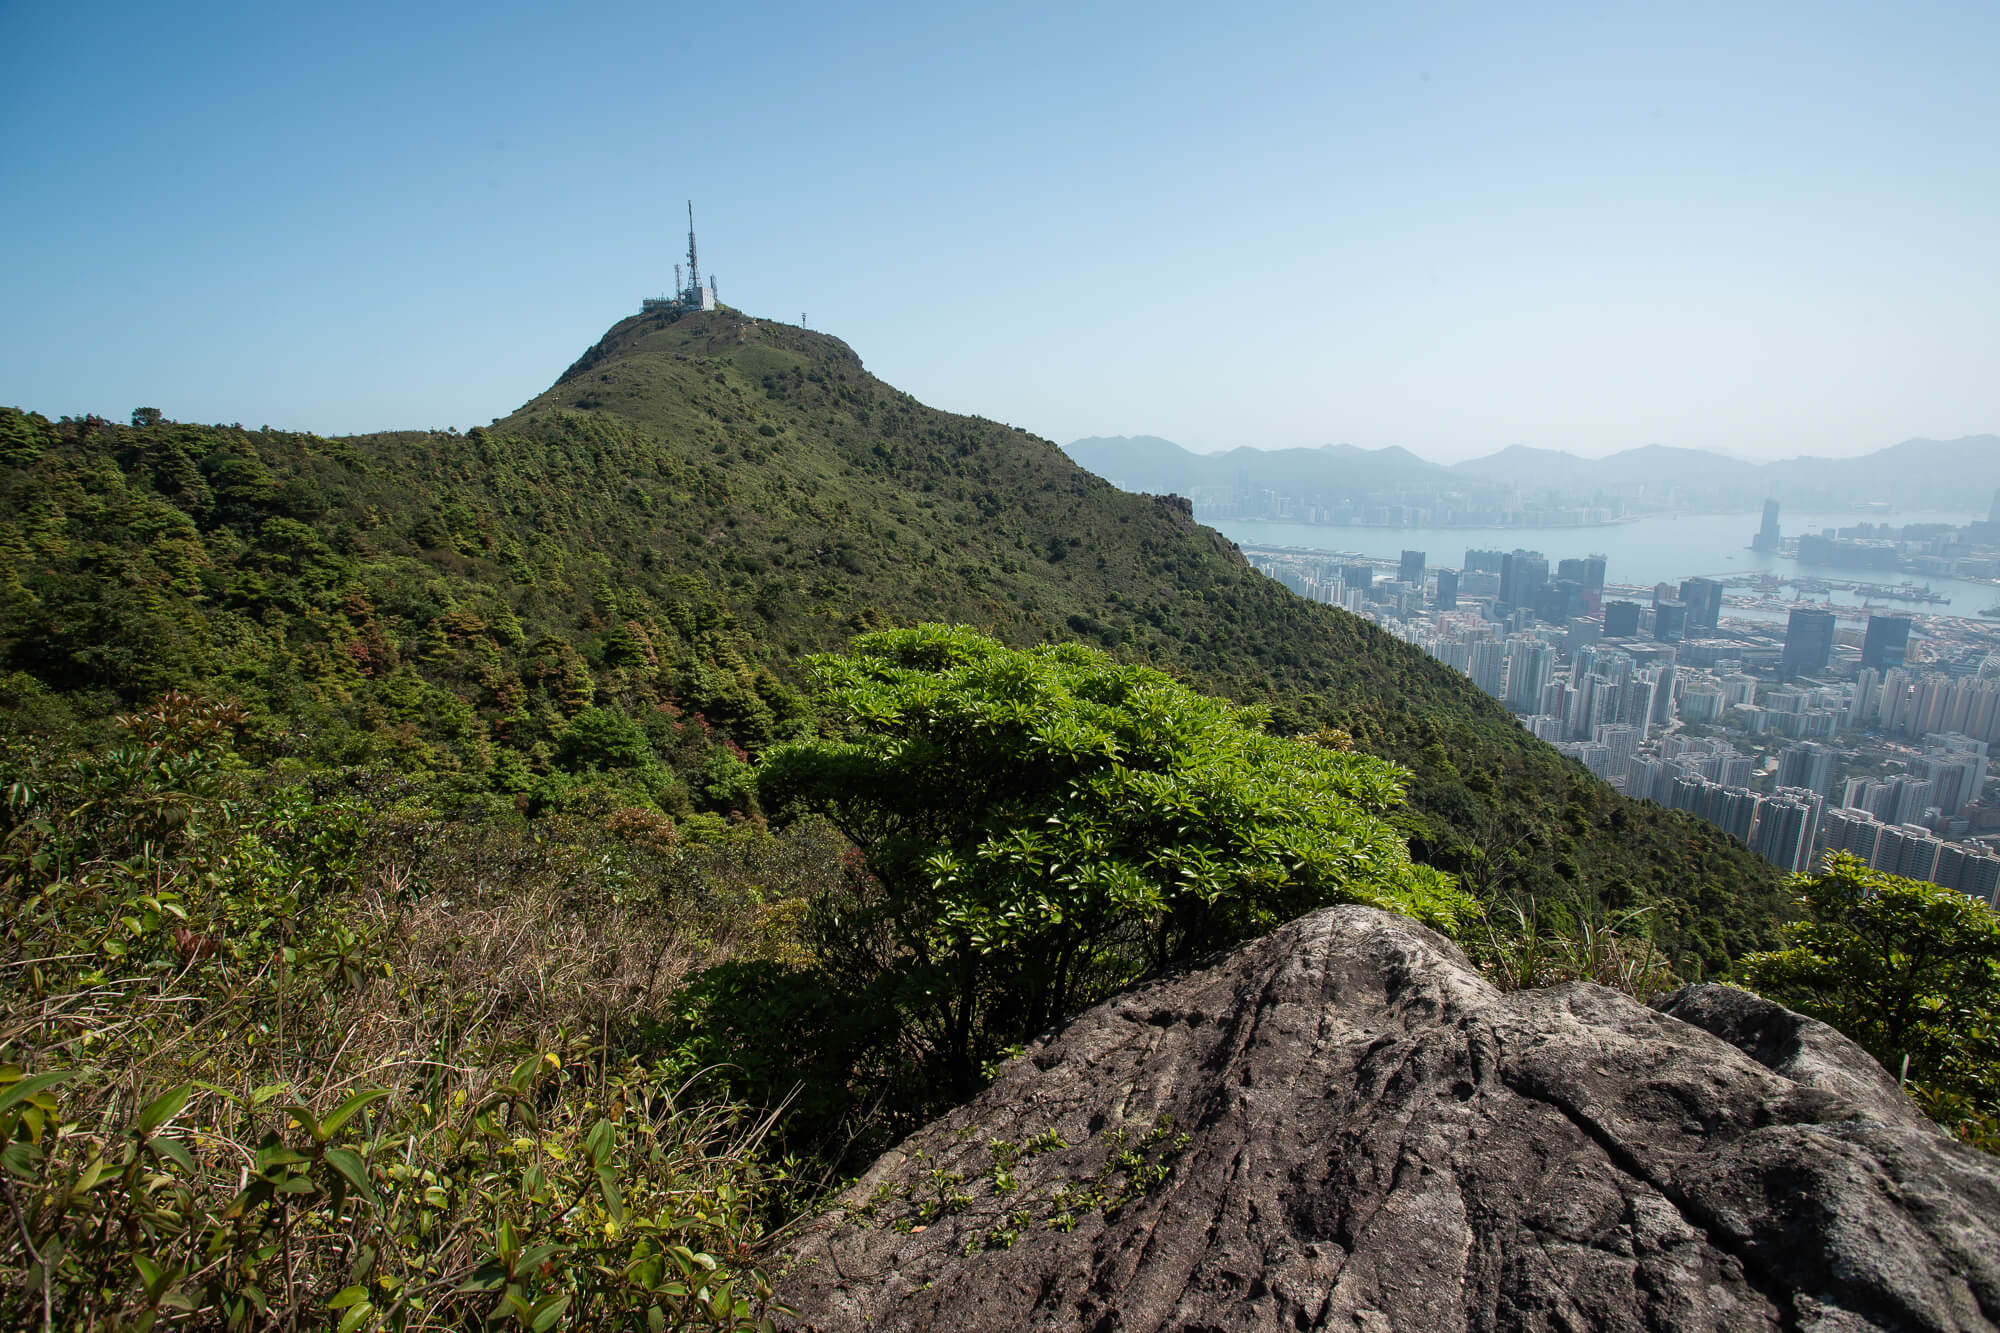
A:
(1344, 1126)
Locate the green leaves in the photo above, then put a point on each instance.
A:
(25, 1100)
(1019, 810)
(1906, 969)
(346, 1111)
(162, 1109)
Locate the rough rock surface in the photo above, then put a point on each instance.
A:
(1803, 1049)
(1343, 1126)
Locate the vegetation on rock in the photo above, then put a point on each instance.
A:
(1911, 972)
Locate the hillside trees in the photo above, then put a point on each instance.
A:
(667, 558)
(1042, 825)
(1910, 971)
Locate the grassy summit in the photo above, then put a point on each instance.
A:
(595, 604)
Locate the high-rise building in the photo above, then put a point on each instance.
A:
(1970, 869)
(1622, 742)
(1521, 573)
(1733, 810)
(1621, 619)
(1663, 694)
(1361, 577)
(1767, 535)
(1447, 590)
(1410, 569)
(1489, 561)
(1808, 639)
(1865, 705)
(1670, 622)
(1529, 665)
(1887, 643)
(1551, 603)
(1704, 602)
(1907, 850)
(1489, 667)
(1635, 709)
(1909, 797)
(1786, 825)
(1701, 703)
(1593, 572)
(1809, 766)
(1956, 766)
(1853, 831)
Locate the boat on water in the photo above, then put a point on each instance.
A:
(1902, 592)
(1991, 611)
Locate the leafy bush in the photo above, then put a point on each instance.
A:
(1911, 972)
(1042, 826)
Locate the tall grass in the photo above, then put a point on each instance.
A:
(274, 1057)
(1527, 946)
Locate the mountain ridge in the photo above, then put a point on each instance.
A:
(692, 506)
(1901, 451)
(1916, 473)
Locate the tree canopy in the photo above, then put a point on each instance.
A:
(1908, 970)
(1044, 824)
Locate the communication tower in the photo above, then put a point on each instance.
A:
(691, 295)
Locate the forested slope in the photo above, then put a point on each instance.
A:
(595, 603)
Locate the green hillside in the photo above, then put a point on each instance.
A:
(595, 604)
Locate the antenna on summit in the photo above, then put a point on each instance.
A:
(694, 269)
(691, 296)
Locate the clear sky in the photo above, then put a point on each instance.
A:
(1769, 229)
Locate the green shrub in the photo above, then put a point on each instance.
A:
(1910, 971)
(1041, 826)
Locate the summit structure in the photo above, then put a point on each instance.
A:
(691, 295)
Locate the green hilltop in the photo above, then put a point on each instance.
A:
(598, 602)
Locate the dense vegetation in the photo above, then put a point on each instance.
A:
(430, 858)
(598, 603)
(274, 1055)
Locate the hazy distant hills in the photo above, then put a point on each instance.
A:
(1919, 473)
(1147, 462)
(1648, 466)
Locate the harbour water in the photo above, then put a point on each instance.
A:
(1644, 552)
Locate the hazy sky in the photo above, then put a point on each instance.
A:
(1768, 229)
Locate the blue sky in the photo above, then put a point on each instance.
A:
(1766, 229)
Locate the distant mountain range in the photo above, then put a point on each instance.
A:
(1956, 474)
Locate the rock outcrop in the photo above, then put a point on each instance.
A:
(1343, 1126)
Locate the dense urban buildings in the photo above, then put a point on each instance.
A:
(1795, 730)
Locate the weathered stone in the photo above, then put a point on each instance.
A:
(1366, 1135)
(1803, 1049)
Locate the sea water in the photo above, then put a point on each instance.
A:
(1643, 551)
